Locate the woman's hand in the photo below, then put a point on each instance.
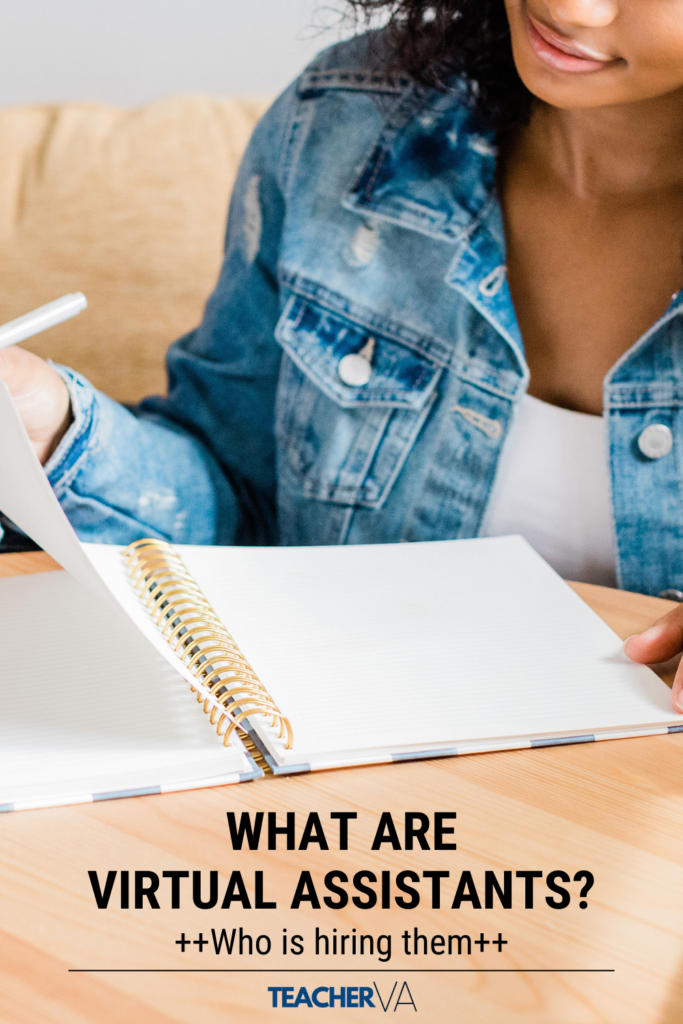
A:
(41, 396)
(661, 642)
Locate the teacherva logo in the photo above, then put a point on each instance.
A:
(348, 997)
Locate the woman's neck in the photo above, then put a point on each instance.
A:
(593, 209)
(595, 153)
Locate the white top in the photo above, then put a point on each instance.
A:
(553, 488)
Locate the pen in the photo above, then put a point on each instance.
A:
(40, 319)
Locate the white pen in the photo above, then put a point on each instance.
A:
(40, 319)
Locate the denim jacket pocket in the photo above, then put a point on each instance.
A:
(347, 442)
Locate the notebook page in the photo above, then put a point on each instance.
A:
(87, 706)
(27, 498)
(412, 646)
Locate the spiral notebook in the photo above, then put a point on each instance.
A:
(153, 668)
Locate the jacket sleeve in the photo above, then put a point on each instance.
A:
(197, 466)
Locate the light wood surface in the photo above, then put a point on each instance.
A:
(612, 808)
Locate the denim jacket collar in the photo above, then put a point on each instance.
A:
(433, 170)
(642, 378)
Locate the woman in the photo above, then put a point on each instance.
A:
(453, 245)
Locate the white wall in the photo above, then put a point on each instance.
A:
(130, 51)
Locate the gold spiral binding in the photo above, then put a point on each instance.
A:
(228, 687)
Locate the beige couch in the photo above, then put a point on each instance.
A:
(127, 206)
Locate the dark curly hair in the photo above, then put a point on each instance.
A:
(431, 41)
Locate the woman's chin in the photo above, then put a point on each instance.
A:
(572, 90)
(562, 79)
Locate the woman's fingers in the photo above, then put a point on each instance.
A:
(659, 643)
(677, 689)
(41, 397)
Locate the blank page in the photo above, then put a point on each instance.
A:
(88, 707)
(416, 645)
(399, 648)
(27, 498)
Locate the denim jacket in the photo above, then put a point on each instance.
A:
(364, 220)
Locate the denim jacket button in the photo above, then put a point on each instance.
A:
(671, 595)
(355, 371)
(656, 441)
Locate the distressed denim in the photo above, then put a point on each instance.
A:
(365, 218)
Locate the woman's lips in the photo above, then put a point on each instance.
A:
(564, 54)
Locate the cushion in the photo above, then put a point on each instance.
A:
(127, 206)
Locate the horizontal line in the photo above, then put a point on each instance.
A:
(341, 970)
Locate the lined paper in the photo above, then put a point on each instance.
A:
(87, 705)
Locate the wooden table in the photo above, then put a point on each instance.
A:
(614, 809)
